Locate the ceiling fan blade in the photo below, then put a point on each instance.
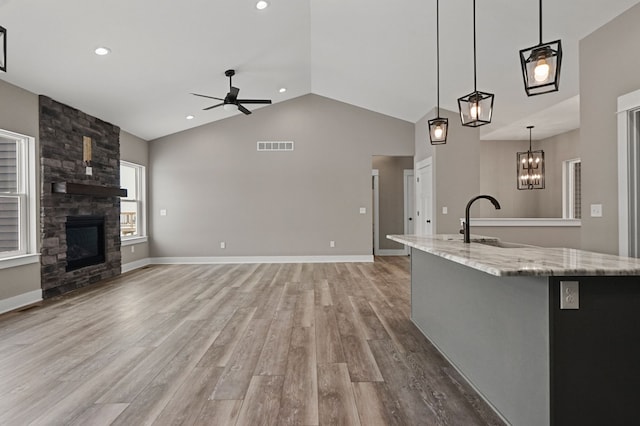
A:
(234, 92)
(209, 97)
(213, 106)
(243, 109)
(254, 101)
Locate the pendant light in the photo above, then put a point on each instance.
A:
(541, 65)
(530, 167)
(475, 108)
(438, 126)
(3, 46)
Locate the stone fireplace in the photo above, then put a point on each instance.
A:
(79, 208)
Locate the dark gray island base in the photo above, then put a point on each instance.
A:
(505, 331)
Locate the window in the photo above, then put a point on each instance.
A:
(132, 207)
(17, 195)
(571, 191)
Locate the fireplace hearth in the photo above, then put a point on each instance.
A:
(85, 241)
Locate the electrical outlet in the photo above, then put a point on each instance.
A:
(569, 295)
(223, 244)
(133, 249)
(596, 210)
(163, 212)
(332, 243)
(445, 210)
(363, 210)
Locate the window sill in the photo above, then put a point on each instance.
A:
(24, 259)
(134, 240)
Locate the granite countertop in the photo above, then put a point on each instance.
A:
(498, 258)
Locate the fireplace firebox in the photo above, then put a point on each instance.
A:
(85, 241)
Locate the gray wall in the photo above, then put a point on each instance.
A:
(135, 150)
(391, 196)
(498, 176)
(456, 170)
(19, 113)
(216, 187)
(609, 66)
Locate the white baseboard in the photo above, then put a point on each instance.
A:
(260, 259)
(128, 267)
(391, 252)
(20, 300)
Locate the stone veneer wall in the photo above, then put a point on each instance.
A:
(61, 146)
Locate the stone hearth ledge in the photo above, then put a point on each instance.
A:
(521, 261)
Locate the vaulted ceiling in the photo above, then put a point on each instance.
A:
(378, 55)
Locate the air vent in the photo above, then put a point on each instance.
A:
(275, 145)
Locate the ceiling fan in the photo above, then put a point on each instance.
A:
(231, 101)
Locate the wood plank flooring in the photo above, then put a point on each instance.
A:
(268, 344)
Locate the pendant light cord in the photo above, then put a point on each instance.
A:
(475, 88)
(438, 55)
(540, 11)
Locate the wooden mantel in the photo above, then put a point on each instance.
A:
(86, 189)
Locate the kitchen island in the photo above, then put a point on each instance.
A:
(494, 310)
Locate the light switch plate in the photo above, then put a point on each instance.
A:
(223, 244)
(596, 210)
(163, 212)
(332, 243)
(445, 210)
(569, 295)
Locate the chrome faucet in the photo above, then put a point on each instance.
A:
(466, 231)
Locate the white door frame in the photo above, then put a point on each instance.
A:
(418, 226)
(376, 212)
(626, 103)
(408, 174)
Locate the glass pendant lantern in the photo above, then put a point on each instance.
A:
(476, 108)
(438, 126)
(541, 65)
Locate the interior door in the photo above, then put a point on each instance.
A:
(425, 207)
(409, 209)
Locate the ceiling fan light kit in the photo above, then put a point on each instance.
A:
(541, 65)
(438, 126)
(476, 108)
(231, 101)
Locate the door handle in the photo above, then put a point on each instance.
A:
(410, 218)
(428, 221)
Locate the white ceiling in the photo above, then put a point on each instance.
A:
(378, 55)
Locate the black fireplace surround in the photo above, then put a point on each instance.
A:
(85, 241)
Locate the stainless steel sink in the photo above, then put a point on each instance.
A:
(502, 244)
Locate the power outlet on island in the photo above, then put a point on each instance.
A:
(569, 295)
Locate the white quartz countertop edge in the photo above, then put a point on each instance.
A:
(523, 261)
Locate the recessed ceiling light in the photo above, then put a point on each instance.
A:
(102, 51)
(282, 89)
(262, 4)
(189, 117)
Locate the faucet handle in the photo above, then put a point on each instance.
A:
(461, 231)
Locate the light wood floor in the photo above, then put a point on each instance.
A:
(305, 344)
